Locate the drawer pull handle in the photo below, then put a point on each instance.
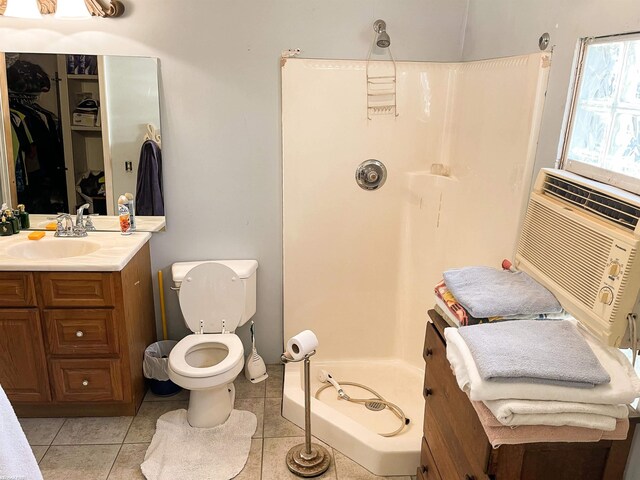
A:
(428, 352)
(85, 383)
(424, 469)
(427, 392)
(79, 334)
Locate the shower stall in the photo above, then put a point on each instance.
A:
(360, 264)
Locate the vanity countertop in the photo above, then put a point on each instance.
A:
(103, 222)
(98, 252)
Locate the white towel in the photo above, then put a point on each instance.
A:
(623, 388)
(16, 457)
(514, 412)
(179, 450)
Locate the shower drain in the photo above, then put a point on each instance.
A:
(375, 406)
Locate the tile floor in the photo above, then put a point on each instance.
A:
(113, 448)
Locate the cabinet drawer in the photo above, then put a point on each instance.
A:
(86, 380)
(427, 469)
(84, 290)
(81, 332)
(17, 289)
(449, 407)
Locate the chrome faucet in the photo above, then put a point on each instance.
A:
(68, 230)
(80, 220)
(71, 230)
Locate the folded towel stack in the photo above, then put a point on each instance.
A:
(551, 380)
(474, 295)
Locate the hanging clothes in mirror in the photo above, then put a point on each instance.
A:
(36, 138)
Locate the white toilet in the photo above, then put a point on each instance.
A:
(215, 298)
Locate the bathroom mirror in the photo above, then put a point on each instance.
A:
(81, 129)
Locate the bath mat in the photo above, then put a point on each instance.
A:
(180, 451)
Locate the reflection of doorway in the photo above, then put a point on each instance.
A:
(83, 130)
(36, 133)
(57, 133)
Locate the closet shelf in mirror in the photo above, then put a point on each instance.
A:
(86, 129)
(76, 76)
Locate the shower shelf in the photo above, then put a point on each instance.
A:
(381, 93)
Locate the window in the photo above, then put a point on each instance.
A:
(603, 132)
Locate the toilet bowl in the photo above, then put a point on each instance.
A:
(215, 298)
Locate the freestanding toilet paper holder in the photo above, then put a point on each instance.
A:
(307, 459)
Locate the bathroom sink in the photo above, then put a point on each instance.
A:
(52, 248)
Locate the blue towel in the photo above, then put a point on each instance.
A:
(487, 292)
(551, 352)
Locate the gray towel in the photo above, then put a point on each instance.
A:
(487, 292)
(552, 352)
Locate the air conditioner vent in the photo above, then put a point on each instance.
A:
(567, 252)
(597, 202)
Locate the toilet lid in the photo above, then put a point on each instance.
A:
(211, 293)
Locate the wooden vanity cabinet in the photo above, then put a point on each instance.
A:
(455, 447)
(72, 343)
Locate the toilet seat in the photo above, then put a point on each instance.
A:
(212, 298)
(178, 356)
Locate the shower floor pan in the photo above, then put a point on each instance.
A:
(352, 428)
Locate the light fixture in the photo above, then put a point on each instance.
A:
(22, 9)
(62, 9)
(72, 9)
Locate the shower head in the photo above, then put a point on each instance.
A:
(325, 377)
(382, 37)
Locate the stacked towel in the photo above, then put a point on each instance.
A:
(457, 315)
(498, 434)
(513, 412)
(488, 292)
(624, 386)
(571, 388)
(549, 352)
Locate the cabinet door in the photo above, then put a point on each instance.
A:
(23, 369)
(17, 290)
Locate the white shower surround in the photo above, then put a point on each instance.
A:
(360, 266)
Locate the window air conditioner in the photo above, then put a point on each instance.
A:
(580, 239)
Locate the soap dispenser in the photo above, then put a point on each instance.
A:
(6, 228)
(8, 214)
(23, 217)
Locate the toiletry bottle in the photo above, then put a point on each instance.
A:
(23, 216)
(6, 229)
(8, 214)
(132, 211)
(125, 215)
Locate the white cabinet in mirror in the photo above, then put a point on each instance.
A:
(81, 129)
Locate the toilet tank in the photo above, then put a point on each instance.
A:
(246, 271)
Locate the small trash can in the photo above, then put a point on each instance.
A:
(156, 368)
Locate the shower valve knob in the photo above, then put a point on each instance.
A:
(371, 174)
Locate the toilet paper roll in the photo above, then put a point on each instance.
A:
(301, 344)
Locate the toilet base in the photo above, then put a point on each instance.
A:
(211, 407)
